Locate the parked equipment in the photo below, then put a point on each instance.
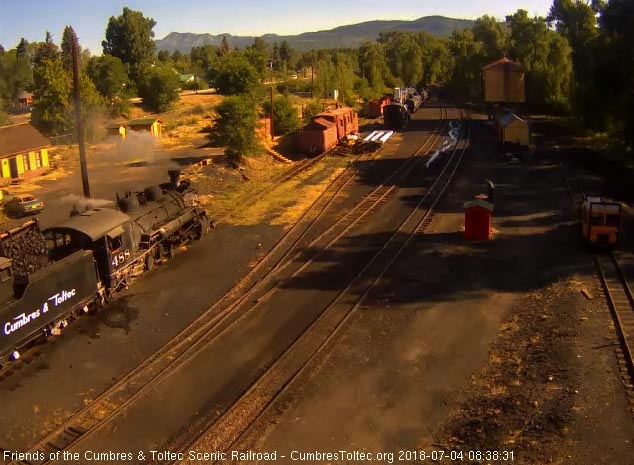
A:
(374, 108)
(396, 116)
(47, 278)
(326, 129)
(601, 221)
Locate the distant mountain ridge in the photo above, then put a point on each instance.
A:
(351, 35)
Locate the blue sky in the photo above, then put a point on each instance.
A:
(31, 18)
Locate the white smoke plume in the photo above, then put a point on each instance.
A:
(138, 147)
(83, 203)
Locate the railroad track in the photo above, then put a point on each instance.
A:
(319, 206)
(621, 303)
(295, 169)
(230, 428)
(618, 295)
(250, 198)
(104, 408)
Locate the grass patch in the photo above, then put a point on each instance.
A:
(282, 206)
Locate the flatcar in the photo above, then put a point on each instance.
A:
(48, 277)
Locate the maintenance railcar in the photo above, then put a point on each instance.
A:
(601, 221)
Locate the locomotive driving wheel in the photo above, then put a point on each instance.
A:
(150, 260)
(201, 228)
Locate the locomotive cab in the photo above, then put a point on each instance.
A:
(104, 231)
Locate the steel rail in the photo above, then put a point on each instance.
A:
(69, 434)
(620, 302)
(213, 436)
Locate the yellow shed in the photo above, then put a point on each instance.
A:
(514, 130)
(23, 151)
(116, 129)
(152, 125)
(503, 82)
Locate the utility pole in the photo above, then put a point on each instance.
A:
(312, 80)
(80, 124)
(272, 126)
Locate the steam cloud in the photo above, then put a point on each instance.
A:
(139, 147)
(82, 203)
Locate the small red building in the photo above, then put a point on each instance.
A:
(24, 99)
(477, 220)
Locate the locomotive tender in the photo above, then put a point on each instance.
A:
(88, 258)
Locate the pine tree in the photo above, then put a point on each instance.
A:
(67, 48)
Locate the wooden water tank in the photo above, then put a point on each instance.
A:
(503, 82)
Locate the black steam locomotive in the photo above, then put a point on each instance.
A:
(47, 277)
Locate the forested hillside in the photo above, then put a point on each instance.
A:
(345, 36)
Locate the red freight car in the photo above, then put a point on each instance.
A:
(346, 120)
(326, 128)
(374, 108)
(317, 136)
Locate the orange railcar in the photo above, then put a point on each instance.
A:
(374, 108)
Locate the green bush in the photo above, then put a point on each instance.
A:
(285, 115)
(234, 127)
(312, 108)
(4, 119)
(158, 88)
(235, 75)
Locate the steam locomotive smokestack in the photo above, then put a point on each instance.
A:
(175, 176)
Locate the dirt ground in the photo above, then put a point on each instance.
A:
(552, 377)
(474, 347)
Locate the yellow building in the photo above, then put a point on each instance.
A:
(116, 129)
(152, 125)
(513, 130)
(503, 82)
(23, 151)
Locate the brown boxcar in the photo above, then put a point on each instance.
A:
(346, 120)
(317, 136)
(326, 128)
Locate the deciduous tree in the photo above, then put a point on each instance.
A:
(234, 127)
(129, 37)
(111, 80)
(286, 117)
(158, 86)
(234, 75)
